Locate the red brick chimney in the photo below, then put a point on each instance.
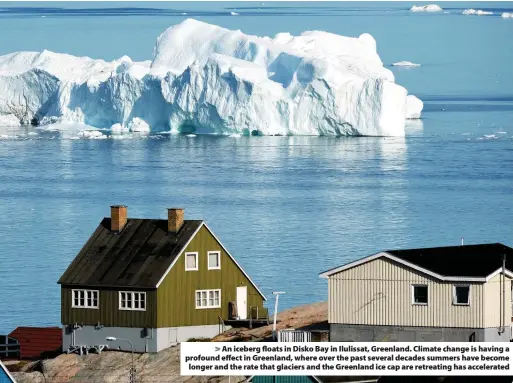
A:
(118, 218)
(174, 219)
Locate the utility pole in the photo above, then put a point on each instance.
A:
(277, 295)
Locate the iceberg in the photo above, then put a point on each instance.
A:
(203, 78)
(405, 64)
(507, 15)
(234, 14)
(476, 12)
(9, 120)
(414, 107)
(426, 8)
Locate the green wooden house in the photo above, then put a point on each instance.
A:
(154, 283)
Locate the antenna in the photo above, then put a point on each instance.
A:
(461, 241)
(277, 295)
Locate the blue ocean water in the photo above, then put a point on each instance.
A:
(287, 207)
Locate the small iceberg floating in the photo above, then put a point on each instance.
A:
(190, 135)
(234, 14)
(507, 15)
(235, 135)
(406, 64)
(426, 8)
(476, 12)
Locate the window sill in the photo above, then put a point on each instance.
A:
(419, 304)
(461, 304)
(214, 268)
(209, 307)
(131, 309)
(191, 269)
(80, 307)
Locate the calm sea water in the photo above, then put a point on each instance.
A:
(287, 207)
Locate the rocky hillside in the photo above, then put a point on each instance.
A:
(114, 366)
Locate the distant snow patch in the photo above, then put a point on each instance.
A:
(507, 15)
(426, 8)
(476, 12)
(405, 64)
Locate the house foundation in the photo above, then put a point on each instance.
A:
(368, 333)
(142, 339)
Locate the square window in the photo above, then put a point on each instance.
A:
(85, 299)
(461, 295)
(208, 299)
(191, 261)
(214, 260)
(420, 295)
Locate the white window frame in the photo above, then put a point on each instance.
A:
(195, 253)
(454, 297)
(218, 253)
(131, 295)
(85, 305)
(413, 294)
(208, 306)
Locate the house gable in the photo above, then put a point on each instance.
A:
(176, 292)
(413, 266)
(379, 292)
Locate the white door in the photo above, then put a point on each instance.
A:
(242, 302)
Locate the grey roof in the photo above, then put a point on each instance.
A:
(138, 256)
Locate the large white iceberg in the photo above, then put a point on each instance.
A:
(507, 15)
(426, 8)
(207, 79)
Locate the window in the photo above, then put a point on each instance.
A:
(85, 299)
(132, 300)
(191, 261)
(419, 294)
(461, 295)
(208, 299)
(214, 260)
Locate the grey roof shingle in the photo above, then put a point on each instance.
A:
(136, 257)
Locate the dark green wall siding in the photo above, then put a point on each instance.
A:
(108, 313)
(173, 303)
(176, 295)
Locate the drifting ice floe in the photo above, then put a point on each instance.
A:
(507, 15)
(234, 14)
(91, 134)
(426, 8)
(405, 64)
(476, 12)
(221, 81)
